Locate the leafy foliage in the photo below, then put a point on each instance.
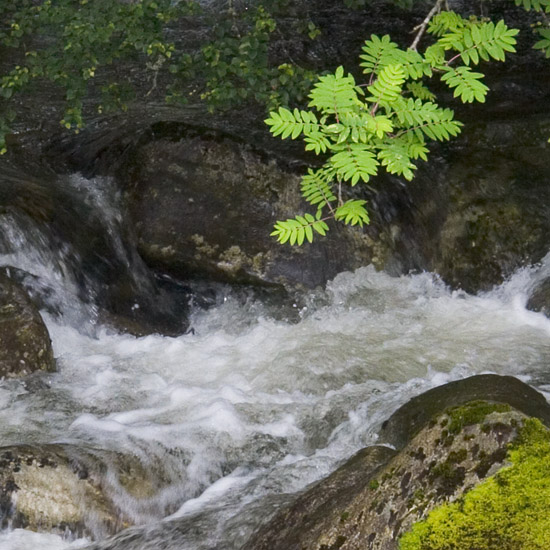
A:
(386, 122)
(296, 230)
(73, 44)
(543, 44)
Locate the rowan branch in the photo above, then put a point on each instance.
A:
(422, 27)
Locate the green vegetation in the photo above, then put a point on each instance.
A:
(508, 511)
(472, 413)
(387, 121)
(223, 55)
(72, 45)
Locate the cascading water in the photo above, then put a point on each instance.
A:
(229, 421)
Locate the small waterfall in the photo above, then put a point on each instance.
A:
(64, 238)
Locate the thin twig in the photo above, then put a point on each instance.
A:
(422, 27)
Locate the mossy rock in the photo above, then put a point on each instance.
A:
(508, 510)
(414, 415)
(431, 469)
(445, 450)
(25, 345)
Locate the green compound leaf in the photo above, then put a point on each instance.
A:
(480, 40)
(297, 230)
(356, 162)
(418, 90)
(535, 5)
(467, 84)
(446, 21)
(292, 123)
(353, 212)
(334, 93)
(317, 187)
(387, 88)
(543, 44)
(378, 53)
(396, 157)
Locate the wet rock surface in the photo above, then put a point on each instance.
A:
(76, 228)
(414, 415)
(478, 210)
(205, 207)
(444, 451)
(474, 215)
(25, 345)
(44, 489)
(540, 298)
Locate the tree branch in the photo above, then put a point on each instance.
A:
(422, 27)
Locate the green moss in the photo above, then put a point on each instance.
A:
(472, 413)
(373, 484)
(508, 511)
(344, 517)
(457, 456)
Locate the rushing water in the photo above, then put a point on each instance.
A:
(234, 418)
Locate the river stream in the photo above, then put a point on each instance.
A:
(254, 404)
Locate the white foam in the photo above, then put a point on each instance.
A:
(21, 539)
(250, 406)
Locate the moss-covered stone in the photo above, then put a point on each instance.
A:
(491, 389)
(472, 413)
(433, 467)
(507, 511)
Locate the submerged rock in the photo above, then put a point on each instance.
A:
(540, 298)
(43, 489)
(25, 345)
(444, 453)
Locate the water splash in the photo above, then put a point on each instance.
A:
(230, 421)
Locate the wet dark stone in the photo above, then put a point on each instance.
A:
(325, 499)
(540, 298)
(25, 345)
(204, 208)
(415, 414)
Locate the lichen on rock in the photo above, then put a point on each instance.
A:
(43, 489)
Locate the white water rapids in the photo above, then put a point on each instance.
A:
(249, 407)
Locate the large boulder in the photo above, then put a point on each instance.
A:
(205, 207)
(479, 209)
(442, 455)
(25, 345)
(404, 423)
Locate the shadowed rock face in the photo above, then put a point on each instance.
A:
(540, 299)
(474, 217)
(446, 448)
(25, 345)
(205, 207)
